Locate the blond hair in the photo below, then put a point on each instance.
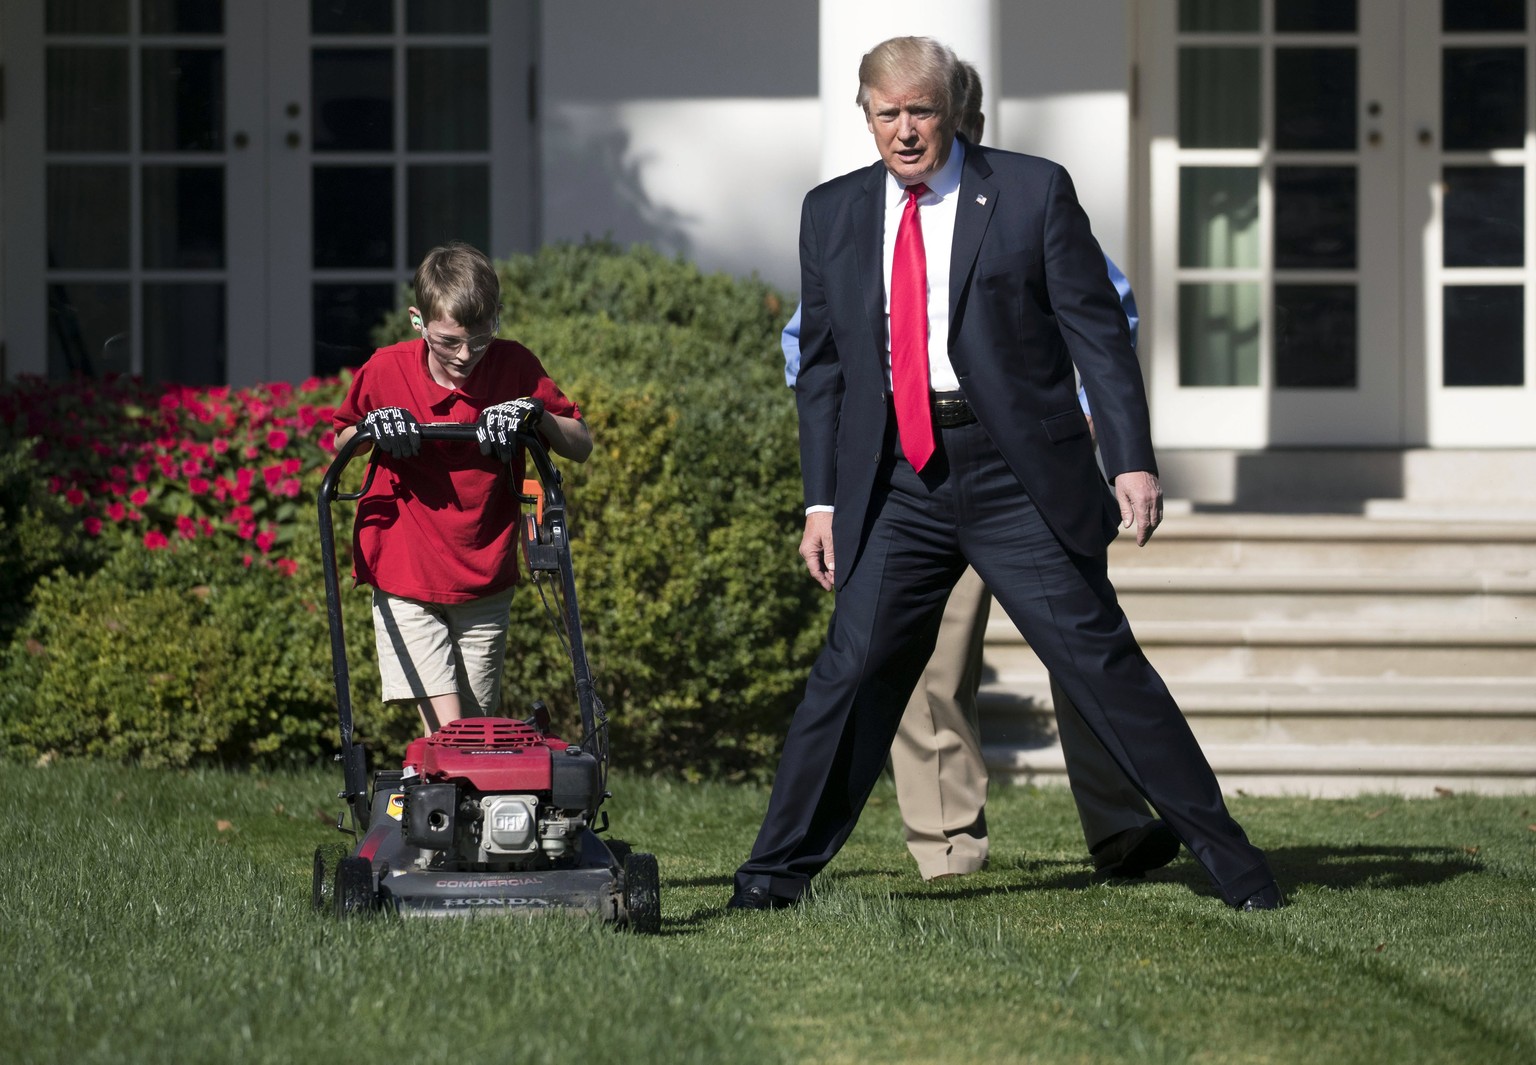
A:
(457, 281)
(915, 62)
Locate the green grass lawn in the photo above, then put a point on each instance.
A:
(160, 916)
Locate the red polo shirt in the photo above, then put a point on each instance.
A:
(442, 526)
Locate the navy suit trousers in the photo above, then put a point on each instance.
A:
(968, 507)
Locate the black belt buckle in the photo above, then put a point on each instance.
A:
(951, 410)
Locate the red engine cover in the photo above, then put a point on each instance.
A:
(490, 754)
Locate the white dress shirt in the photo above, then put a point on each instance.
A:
(936, 210)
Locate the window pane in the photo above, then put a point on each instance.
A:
(87, 329)
(1484, 335)
(85, 16)
(1218, 216)
(183, 99)
(1316, 336)
(1483, 98)
(354, 211)
(183, 217)
(446, 16)
(1196, 16)
(344, 317)
(87, 99)
(1219, 97)
(446, 203)
(183, 16)
(1315, 16)
(1219, 335)
(184, 333)
(1464, 15)
(447, 100)
(1315, 99)
(88, 217)
(351, 16)
(1316, 217)
(1484, 215)
(353, 93)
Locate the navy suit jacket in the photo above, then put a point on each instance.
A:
(1029, 298)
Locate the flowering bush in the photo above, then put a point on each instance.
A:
(171, 463)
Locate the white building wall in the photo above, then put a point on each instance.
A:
(696, 125)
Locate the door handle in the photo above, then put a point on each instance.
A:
(1426, 136)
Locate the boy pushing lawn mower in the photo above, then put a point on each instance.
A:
(436, 533)
(489, 813)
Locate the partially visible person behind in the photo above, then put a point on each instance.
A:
(436, 533)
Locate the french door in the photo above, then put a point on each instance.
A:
(1338, 241)
(227, 191)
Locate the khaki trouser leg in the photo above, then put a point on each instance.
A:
(941, 779)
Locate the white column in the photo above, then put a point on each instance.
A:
(850, 28)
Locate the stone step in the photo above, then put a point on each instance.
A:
(1356, 711)
(1319, 770)
(1215, 649)
(1322, 542)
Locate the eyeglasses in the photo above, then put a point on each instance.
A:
(451, 345)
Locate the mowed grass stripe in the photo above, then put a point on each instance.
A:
(165, 916)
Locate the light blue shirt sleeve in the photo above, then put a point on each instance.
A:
(1127, 304)
(789, 340)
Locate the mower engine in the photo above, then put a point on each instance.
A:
(497, 794)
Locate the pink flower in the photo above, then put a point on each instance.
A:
(198, 485)
(291, 467)
(287, 567)
(220, 446)
(277, 439)
(92, 526)
(246, 529)
(265, 541)
(116, 511)
(155, 539)
(74, 497)
(186, 528)
(140, 497)
(247, 559)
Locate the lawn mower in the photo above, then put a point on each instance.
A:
(487, 814)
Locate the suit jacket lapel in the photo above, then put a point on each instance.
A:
(868, 214)
(973, 212)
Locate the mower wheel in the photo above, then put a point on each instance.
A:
(317, 886)
(642, 892)
(354, 887)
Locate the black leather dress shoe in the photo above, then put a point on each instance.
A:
(757, 898)
(1267, 897)
(1134, 851)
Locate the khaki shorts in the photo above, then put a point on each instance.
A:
(428, 649)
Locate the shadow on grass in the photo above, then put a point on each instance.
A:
(1354, 868)
(1337, 868)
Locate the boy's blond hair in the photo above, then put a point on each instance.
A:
(457, 281)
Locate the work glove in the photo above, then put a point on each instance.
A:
(396, 430)
(498, 426)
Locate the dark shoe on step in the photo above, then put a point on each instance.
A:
(1267, 897)
(1135, 851)
(757, 898)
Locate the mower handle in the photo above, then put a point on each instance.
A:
(354, 771)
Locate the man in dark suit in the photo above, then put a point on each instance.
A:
(947, 293)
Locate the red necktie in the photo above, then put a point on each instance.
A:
(909, 335)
